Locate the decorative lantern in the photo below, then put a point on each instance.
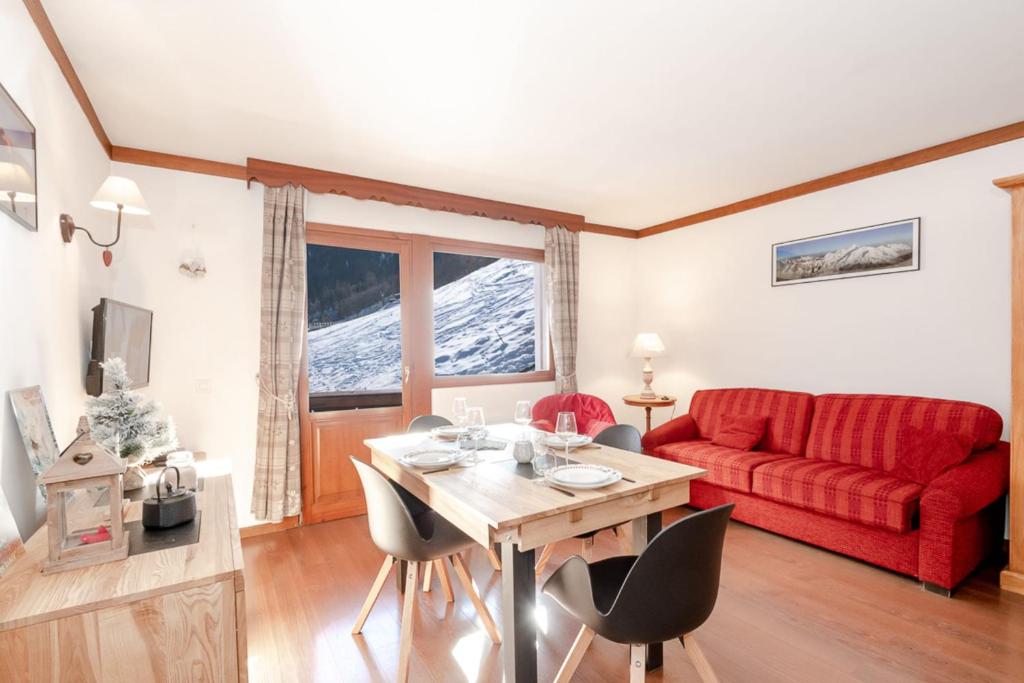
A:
(80, 532)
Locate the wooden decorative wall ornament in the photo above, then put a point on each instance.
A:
(1012, 578)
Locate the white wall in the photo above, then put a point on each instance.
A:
(43, 339)
(942, 331)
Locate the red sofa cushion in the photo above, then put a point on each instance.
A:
(923, 455)
(592, 414)
(727, 467)
(859, 494)
(740, 431)
(788, 413)
(863, 429)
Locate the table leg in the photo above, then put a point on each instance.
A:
(518, 600)
(645, 529)
(400, 572)
(647, 409)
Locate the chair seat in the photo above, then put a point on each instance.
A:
(727, 467)
(859, 494)
(591, 603)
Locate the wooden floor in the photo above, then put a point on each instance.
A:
(786, 612)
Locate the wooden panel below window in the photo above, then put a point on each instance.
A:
(334, 436)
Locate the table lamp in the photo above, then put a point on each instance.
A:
(15, 180)
(647, 345)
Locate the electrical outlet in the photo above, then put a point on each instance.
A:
(202, 386)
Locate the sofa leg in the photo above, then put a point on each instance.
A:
(937, 589)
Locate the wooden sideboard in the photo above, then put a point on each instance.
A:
(169, 615)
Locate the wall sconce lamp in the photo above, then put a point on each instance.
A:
(115, 194)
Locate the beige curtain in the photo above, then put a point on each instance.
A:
(277, 484)
(562, 261)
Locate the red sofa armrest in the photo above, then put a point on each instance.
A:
(955, 534)
(971, 486)
(682, 428)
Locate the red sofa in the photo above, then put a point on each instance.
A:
(592, 414)
(822, 474)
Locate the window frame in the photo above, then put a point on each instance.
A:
(420, 312)
(448, 245)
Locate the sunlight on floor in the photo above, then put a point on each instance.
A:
(469, 652)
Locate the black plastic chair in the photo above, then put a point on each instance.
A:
(624, 437)
(422, 538)
(424, 423)
(666, 592)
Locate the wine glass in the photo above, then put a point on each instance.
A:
(459, 411)
(565, 429)
(523, 415)
(477, 427)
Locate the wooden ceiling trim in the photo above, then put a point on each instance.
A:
(275, 174)
(610, 230)
(49, 35)
(996, 136)
(144, 157)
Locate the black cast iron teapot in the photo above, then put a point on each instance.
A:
(171, 506)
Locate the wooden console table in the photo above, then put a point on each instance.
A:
(169, 615)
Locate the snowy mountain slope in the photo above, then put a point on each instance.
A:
(483, 323)
(845, 260)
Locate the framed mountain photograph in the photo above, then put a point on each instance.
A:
(873, 250)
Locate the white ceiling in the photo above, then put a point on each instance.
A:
(630, 113)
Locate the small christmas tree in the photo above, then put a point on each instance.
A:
(126, 422)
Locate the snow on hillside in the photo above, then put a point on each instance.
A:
(845, 260)
(483, 323)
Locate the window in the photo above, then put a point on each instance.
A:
(354, 345)
(488, 315)
(391, 317)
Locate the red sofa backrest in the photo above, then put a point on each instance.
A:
(788, 413)
(592, 414)
(861, 429)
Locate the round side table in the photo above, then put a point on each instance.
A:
(647, 403)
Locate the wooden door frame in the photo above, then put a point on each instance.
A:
(415, 392)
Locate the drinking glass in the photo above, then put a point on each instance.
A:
(477, 427)
(523, 415)
(543, 461)
(459, 411)
(565, 429)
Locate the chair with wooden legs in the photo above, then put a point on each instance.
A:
(425, 423)
(665, 593)
(627, 438)
(417, 536)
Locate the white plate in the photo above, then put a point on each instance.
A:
(555, 441)
(432, 458)
(448, 433)
(583, 476)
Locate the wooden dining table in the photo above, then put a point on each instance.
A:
(499, 502)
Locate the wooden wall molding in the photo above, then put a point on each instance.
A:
(142, 157)
(996, 136)
(273, 174)
(42, 22)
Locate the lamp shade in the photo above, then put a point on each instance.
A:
(647, 345)
(120, 191)
(14, 177)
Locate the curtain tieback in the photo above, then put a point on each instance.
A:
(288, 400)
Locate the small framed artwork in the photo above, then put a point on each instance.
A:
(36, 430)
(873, 250)
(17, 163)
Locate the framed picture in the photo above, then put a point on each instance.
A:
(874, 250)
(17, 163)
(36, 430)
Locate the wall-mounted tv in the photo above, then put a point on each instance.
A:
(119, 330)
